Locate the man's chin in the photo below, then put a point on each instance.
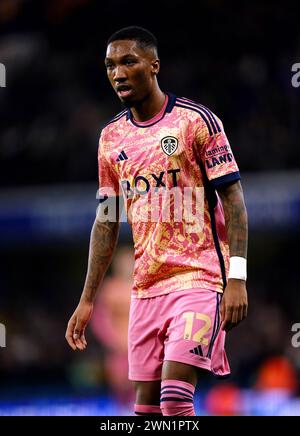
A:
(128, 103)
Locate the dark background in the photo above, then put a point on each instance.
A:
(235, 58)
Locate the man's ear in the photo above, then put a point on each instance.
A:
(155, 66)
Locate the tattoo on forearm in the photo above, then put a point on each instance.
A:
(104, 237)
(236, 219)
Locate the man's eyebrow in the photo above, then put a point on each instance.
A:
(127, 55)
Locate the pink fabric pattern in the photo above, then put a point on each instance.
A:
(184, 146)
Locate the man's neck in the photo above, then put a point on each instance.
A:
(149, 107)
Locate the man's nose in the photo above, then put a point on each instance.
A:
(119, 74)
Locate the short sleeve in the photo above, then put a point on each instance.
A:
(108, 180)
(214, 150)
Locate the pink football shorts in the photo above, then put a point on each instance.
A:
(183, 326)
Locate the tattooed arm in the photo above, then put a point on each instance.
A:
(104, 236)
(102, 245)
(234, 303)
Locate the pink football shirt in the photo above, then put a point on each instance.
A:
(167, 170)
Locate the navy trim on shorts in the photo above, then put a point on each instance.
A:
(218, 324)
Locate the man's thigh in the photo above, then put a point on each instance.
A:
(194, 337)
(145, 342)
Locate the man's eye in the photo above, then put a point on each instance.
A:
(109, 65)
(129, 62)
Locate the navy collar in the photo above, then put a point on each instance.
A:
(169, 107)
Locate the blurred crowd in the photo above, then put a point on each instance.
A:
(235, 58)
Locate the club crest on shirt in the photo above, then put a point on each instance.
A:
(169, 145)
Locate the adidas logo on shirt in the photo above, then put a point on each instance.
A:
(122, 156)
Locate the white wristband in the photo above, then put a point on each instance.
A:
(237, 268)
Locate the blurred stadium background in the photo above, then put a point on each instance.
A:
(234, 57)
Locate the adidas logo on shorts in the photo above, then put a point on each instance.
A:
(197, 350)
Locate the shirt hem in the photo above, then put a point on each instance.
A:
(192, 285)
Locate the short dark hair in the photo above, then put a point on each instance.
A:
(144, 37)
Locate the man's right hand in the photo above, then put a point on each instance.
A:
(77, 324)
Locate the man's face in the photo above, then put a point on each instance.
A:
(131, 70)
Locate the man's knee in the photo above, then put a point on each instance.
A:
(147, 392)
(179, 371)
